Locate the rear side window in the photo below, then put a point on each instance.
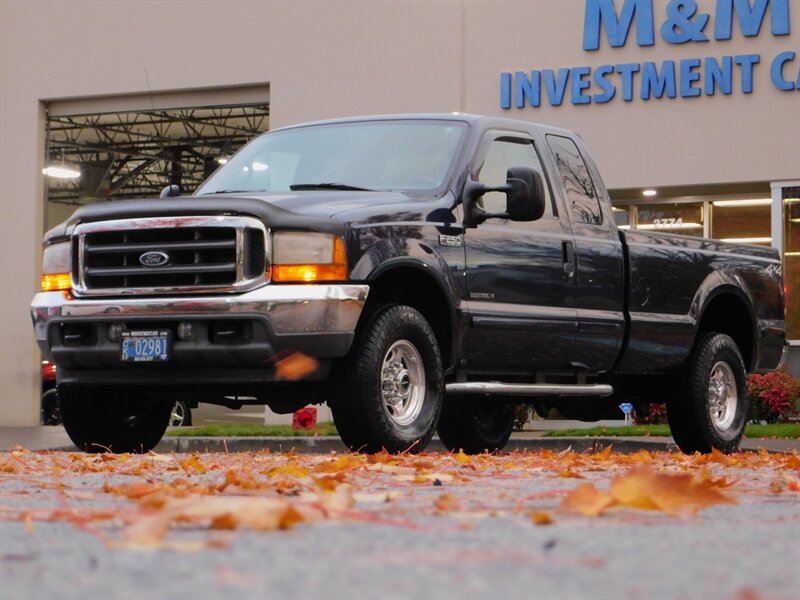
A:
(582, 198)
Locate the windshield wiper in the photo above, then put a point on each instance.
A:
(327, 186)
(230, 192)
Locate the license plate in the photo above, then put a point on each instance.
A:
(145, 346)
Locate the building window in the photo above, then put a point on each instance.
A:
(622, 216)
(683, 218)
(791, 262)
(742, 221)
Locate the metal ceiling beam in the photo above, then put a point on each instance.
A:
(136, 146)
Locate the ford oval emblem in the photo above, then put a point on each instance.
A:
(154, 259)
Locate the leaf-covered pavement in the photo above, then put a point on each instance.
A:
(512, 525)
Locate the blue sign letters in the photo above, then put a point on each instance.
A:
(602, 12)
(682, 22)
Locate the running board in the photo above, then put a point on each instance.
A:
(525, 389)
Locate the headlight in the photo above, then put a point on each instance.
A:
(56, 267)
(307, 257)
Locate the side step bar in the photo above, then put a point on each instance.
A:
(525, 389)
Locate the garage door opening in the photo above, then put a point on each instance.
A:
(106, 149)
(121, 147)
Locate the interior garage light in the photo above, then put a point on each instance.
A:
(748, 240)
(750, 202)
(222, 159)
(62, 171)
(649, 193)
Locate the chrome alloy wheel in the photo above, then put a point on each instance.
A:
(402, 383)
(178, 414)
(722, 396)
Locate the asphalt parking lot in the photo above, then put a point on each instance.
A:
(431, 526)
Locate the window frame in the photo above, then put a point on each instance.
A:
(596, 184)
(519, 137)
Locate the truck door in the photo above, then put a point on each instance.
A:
(599, 263)
(519, 295)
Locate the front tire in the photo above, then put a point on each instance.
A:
(712, 409)
(109, 419)
(181, 415)
(390, 393)
(476, 424)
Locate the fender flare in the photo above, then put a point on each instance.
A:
(434, 269)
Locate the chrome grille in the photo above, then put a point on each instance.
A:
(168, 255)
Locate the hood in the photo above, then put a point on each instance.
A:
(311, 210)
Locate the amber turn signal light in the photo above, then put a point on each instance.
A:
(308, 273)
(336, 270)
(55, 282)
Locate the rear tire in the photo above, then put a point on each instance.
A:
(50, 412)
(711, 411)
(109, 419)
(476, 424)
(389, 394)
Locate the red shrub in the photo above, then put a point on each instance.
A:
(774, 397)
(655, 414)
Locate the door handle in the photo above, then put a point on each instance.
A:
(568, 254)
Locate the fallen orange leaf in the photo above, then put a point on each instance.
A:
(341, 498)
(193, 464)
(295, 366)
(290, 470)
(462, 458)
(218, 512)
(587, 500)
(541, 518)
(604, 454)
(641, 487)
(678, 494)
(327, 482)
(447, 502)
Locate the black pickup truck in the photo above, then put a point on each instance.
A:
(418, 273)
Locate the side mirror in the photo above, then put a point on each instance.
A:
(170, 191)
(524, 191)
(525, 199)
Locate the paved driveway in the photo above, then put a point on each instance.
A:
(433, 526)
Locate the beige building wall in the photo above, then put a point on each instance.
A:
(659, 142)
(329, 59)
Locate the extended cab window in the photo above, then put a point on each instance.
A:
(581, 193)
(502, 154)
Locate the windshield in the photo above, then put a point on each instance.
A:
(374, 155)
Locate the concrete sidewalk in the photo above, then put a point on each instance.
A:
(55, 438)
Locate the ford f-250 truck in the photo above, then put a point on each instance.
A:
(434, 270)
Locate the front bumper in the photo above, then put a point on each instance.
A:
(258, 326)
